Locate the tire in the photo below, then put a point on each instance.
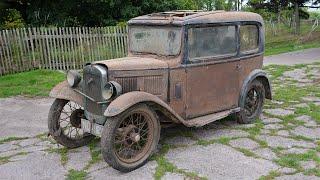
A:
(57, 132)
(117, 127)
(248, 115)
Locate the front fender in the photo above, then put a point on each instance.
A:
(129, 99)
(64, 91)
(261, 76)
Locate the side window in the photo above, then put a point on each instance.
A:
(207, 42)
(249, 38)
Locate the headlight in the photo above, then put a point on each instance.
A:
(73, 78)
(111, 89)
(107, 92)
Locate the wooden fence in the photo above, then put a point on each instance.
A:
(59, 48)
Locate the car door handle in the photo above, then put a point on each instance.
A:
(238, 66)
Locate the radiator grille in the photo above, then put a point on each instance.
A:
(93, 90)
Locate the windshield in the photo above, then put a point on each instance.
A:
(158, 40)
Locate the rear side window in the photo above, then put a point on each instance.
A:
(249, 38)
(207, 42)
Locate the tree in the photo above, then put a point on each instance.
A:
(276, 6)
(90, 12)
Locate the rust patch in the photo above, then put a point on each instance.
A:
(64, 91)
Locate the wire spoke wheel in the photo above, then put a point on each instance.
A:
(70, 120)
(130, 138)
(64, 123)
(133, 137)
(252, 103)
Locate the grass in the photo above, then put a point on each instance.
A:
(63, 154)
(76, 175)
(283, 47)
(315, 171)
(247, 152)
(271, 175)
(222, 140)
(286, 41)
(293, 160)
(313, 111)
(165, 166)
(5, 159)
(255, 130)
(32, 83)
(9, 139)
(95, 152)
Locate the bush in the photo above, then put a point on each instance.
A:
(315, 15)
(11, 18)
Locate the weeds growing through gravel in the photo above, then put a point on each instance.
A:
(76, 175)
(9, 139)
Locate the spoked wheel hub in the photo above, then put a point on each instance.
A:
(75, 117)
(130, 138)
(133, 137)
(129, 134)
(252, 102)
(64, 122)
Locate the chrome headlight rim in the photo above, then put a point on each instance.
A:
(107, 91)
(111, 90)
(73, 78)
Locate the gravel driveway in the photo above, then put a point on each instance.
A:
(220, 150)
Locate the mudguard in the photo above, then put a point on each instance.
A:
(129, 99)
(64, 91)
(261, 76)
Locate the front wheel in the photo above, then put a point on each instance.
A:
(253, 101)
(130, 138)
(64, 123)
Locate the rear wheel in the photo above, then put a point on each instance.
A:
(130, 138)
(64, 123)
(253, 103)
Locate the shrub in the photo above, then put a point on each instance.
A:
(11, 18)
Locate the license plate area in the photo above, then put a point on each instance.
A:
(92, 128)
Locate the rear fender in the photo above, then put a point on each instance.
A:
(262, 77)
(64, 91)
(130, 99)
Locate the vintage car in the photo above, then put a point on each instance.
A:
(183, 67)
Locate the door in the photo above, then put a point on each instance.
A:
(212, 70)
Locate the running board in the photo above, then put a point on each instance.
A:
(203, 120)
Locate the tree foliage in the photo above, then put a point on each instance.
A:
(112, 12)
(11, 18)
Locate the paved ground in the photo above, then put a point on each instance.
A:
(285, 144)
(298, 57)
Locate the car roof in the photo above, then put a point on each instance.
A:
(186, 17)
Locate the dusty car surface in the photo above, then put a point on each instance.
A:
(183, 67)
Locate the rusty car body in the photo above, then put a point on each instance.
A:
(187, 67)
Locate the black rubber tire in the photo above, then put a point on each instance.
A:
(55, 130)
(108, 136)
(241, 116)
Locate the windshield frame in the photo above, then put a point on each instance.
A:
(181, 31)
